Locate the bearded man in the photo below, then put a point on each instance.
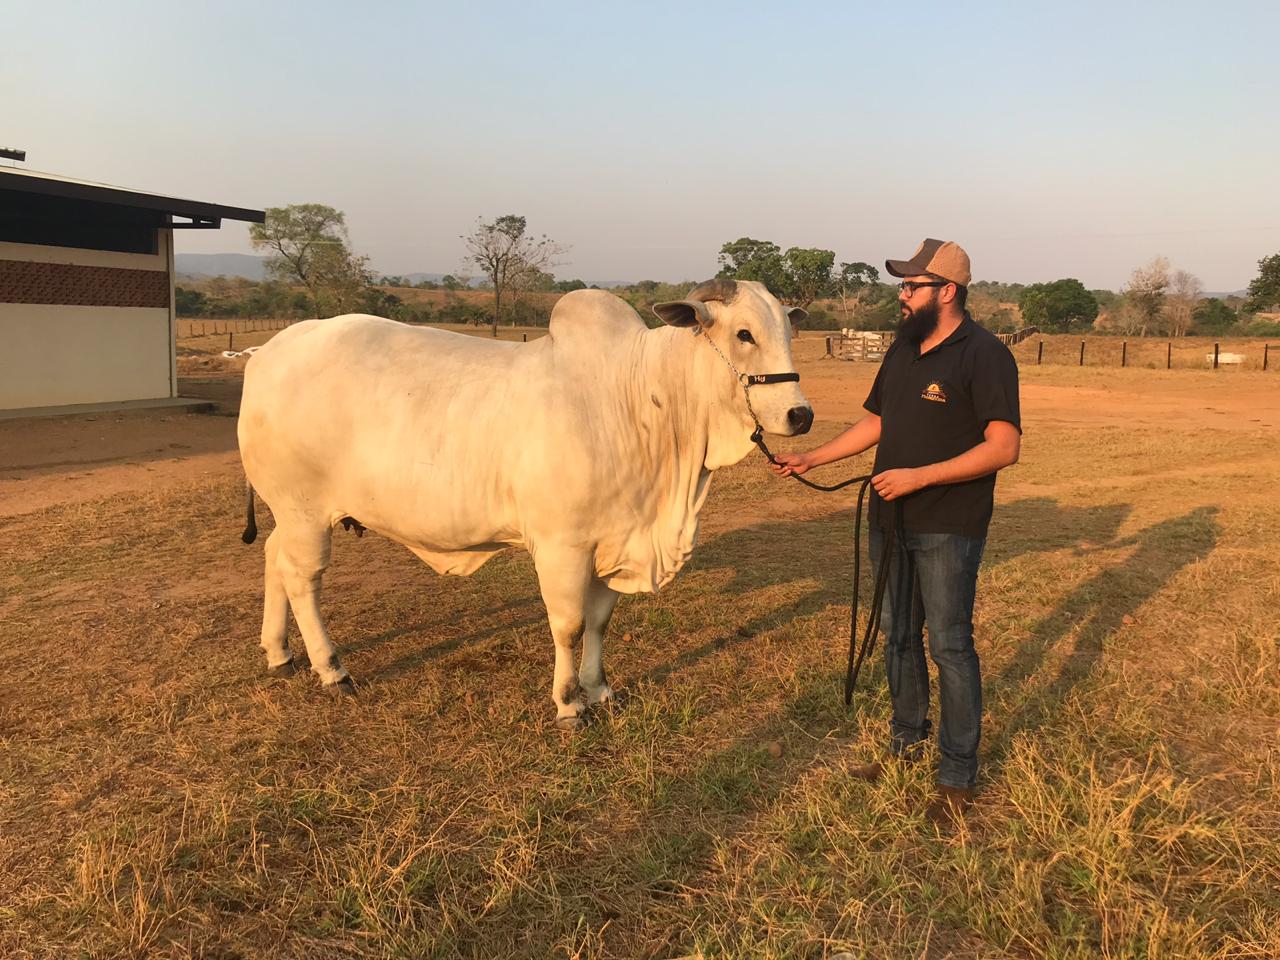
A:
(944, 413)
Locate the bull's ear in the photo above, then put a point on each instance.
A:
(683, 313)
(797, 316)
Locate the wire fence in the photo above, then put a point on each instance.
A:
(1185, 353)
(204, 328)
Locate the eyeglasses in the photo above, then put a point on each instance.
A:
(911, 286)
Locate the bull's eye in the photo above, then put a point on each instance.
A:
(746, 337)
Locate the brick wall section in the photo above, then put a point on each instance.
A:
(66, 284)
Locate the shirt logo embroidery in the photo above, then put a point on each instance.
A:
(934, 392)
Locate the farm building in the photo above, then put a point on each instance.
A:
(86, 289)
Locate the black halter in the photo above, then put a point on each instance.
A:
(757, 379)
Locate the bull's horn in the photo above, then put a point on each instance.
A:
(718, 289)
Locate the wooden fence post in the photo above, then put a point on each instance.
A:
(1124, 352)
(1215, 356)
(231, 340)
(1168, 356)
(1040, 354)
(1082, 353)
(1265, 348)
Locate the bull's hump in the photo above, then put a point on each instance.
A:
(593, 315)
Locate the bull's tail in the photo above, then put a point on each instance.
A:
(251, 524)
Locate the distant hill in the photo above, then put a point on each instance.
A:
(198, 265)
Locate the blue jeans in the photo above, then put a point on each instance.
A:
(945, 568)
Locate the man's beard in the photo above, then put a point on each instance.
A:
(919, 323)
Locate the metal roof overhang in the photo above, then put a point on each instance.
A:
(201, 215)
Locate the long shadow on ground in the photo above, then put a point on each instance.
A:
(1093, 612)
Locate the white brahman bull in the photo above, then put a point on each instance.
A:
(592, 448)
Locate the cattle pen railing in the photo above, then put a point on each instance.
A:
(869, 345)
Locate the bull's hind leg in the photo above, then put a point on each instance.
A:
(565, 577)
(302, 558)
(599, 606)
(275, 612)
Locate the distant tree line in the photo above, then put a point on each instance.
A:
(1157, 300)
(312, 271)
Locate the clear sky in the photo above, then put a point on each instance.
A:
(1072, 139)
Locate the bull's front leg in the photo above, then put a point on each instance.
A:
(599, 608)
(565, 577)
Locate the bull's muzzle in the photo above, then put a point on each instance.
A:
(799, 419)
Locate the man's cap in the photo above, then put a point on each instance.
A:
(939, 258)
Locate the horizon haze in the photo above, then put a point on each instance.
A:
(1073, 142)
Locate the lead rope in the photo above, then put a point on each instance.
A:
(896, 534)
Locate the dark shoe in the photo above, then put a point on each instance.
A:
(949, 806)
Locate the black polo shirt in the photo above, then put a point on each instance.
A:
(935, 407)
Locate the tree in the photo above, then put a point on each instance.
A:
(852, 280)
(505, 253)
(808, 275)
(1264, 289)
(450, 282)
(989, 312)
(529, 280)
(1106, 298)
(1180, 302)
(307, 241)
(1212, 317)
(797, 277)
(1057, 305)
(189, 303)
(1145, 294)
(747, 259)
(344, 281)
(999, 292)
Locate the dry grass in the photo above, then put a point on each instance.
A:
(159, 797)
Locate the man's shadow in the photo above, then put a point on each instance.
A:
(1041, 524)
(1093, 612)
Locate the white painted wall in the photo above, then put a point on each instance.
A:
(56, 355)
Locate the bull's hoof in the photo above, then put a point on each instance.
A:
(286, 669)
(342, 689)
(570, 724)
